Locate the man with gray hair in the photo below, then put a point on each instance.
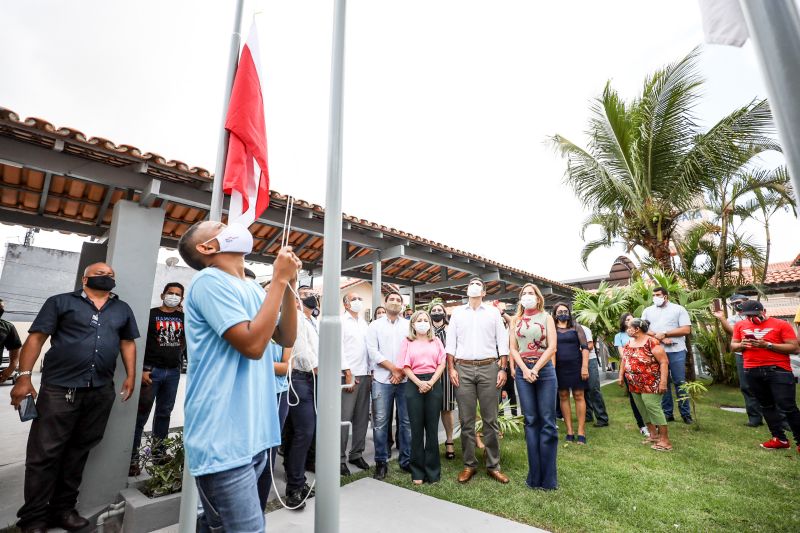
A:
(355, 370)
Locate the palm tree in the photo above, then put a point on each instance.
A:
(648, 164)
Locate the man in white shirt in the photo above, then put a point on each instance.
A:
(355, 370)
(475, 339)
(302, 419)
(595, 405)
(670, 323)
(385, 336)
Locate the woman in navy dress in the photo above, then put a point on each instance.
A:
(572, 369)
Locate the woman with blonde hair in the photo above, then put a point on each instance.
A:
(532, 344)
(422, 358)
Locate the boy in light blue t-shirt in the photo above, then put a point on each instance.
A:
(231, 412)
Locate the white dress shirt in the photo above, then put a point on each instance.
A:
(383, 343)
(305, 353)
(588, 333)
(354, 345)
(476, 333)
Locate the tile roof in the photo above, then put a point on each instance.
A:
(779, 273)
(91, 203)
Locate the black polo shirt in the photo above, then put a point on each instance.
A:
(9, 338)
(84, 341)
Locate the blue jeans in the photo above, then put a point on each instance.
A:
(538, 402)
(383, 396)
(230, 498)
(265, 479)
(677, 376)
(162, 391)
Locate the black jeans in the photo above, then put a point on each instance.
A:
(303, 420)
(58, 446)
(774, 388)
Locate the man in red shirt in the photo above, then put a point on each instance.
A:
(765, 344)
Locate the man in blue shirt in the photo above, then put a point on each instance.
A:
(231, 408)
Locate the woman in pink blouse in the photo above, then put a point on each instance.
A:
(423, 359)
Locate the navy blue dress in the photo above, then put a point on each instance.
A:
(569, 360)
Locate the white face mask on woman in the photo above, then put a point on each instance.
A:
(422, 327)
(528, 301)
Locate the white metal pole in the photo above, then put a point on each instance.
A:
(188, 513)
(775, 29)
(326, 512)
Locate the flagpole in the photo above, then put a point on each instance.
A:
(775, 29)
(329, 414)
(188, 512)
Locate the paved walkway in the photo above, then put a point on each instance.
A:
(363, 507)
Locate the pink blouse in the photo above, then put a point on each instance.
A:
(421, 356)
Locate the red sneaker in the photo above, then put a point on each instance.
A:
(775, 444)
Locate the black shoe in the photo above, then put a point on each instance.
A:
(600, 424)
(294, 500)
(405, 468)
(688, 420)
(753, 424)
(69, 520)
(380, 471)
(343, 470)
(360, 463)
(37, 529)
(307, 491)
(670, 418)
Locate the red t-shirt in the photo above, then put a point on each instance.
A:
(771, 330)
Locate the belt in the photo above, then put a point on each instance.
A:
(530, 358)
(476, 362)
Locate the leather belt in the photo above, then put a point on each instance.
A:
(476, 362)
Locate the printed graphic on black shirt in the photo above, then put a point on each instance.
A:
(165, 339)
(169, 331)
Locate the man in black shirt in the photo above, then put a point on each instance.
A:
(88, 328)
(9, 340)
(161, 372)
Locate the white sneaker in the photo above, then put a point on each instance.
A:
(644, 431)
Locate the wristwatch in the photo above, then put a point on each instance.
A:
(504, 369)
(769, 346)
(25, 373)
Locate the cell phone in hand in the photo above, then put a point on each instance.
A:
(750, 337)
(27, 409)
(717, 303)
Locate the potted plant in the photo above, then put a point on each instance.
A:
(154, 503)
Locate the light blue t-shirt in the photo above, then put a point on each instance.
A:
(621, 339)
(281, 382)
(666, 318)
(231, 405)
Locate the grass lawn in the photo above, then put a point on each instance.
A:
(716, 479)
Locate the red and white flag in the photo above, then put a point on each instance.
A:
(246, 174)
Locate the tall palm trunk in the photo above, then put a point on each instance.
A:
(766, 254)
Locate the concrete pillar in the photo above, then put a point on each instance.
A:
(413, 297)
(133, 253)
(377, 295)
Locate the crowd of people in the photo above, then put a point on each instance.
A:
(253, 358)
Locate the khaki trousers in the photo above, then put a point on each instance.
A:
(478, 385)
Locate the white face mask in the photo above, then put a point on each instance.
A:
(528, 301)
(474, 290)
(422, 327)
(234, 238)
(658, 301)
(356, 306)
(172, 300)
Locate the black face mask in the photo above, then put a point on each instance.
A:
(310, 302)
(2, 311)
(437, 317)
(737, 307)
(564, 317)
(101, 283)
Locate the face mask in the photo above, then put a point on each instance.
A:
(564, 317)
(394, 307)
(528, 301)
(234, 238)
(474, 290)
(658, 301)
(310, 302)
(172, 300)
(356, 306)
(2, 311)
(422, 327)
(758, 319)
(101, 283)
(437, 317)
(737, 307)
